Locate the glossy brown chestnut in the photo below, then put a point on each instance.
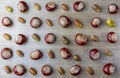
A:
(22, 6)
(6, 53)
(35, 22)
(65, 53)
(96, 22)
(113, 8)
(20, 39)
(109, 69)
(46, 70)
(19, 70)
(64, 21)
(6, 21)
(50, 38)
(94, 54)
(75, 70)
(79, 6)
(50, 6)
(81, 39)
(112, 37)
(36, 54)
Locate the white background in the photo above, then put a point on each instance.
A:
(85, 16)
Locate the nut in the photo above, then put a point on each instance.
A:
(64, 21)
(94, 54)
(6, 21)
(6, 53)
(110, 23)
(96, 22)
(46, 70)
(109, 69)
(77, 23)
(21, 20)
(113, 8)
(50, 38)
(7, 36)
(36, 37)
(51, 54)
(76, 57)
(108, 53)
(32, 71)
(22, 6)
(35, 22)
(37, 6)
(65, 53)
(112, 37)
(65, 40)
(19, 53)
(19, 70)
(79, 6)
(89, 70)
(96, 8)
(50, 6)
(20, 39)
(7, 69)
(9, 9)
(60, 70)
(94, 37)
(65, 7)
(36, 54)
(81, 39)
(75, 70)
(49, 22)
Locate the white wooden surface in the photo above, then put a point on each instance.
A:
(85, 16)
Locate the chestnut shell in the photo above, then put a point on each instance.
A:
(106, 69)
(82, 43)
(67, 51)
(50, 8)
(95, 26)
(4, 50)
(24, 39)
(75, 74)
(24, 5)
(114, 12)
(75, 5)
(6, 25)
(39, 56)
(46, 40)
(17, 73)
(110, 37)
(44, 72)
(68, 21)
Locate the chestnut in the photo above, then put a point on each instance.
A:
(22, 6)
(35, 22)
(19, 70)
(113, 8)
(78, 6)
(6, 53)
(36, 54)
(65, 53)
(46, 70)
(96, 22)
(49, 38)
(50, 6)
(6, 21)
(64, 21)
(112, 37)
(94, 54)
(81, 39)
(20, 39)
(109, 69)
(75, 70)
